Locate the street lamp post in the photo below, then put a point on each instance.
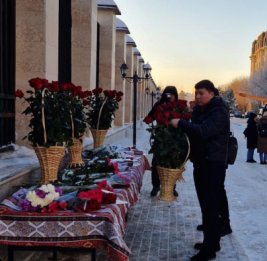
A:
(154, 94)
(135, 79)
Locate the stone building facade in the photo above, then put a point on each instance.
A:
(66, 40)
(259, 53)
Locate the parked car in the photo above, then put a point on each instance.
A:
(238, 114)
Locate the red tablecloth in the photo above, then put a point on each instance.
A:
(99, 229)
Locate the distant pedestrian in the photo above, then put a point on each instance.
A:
(169, 94)
(262, 138)
(251, 134)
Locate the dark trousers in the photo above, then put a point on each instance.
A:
(209, 180)
(154, 174)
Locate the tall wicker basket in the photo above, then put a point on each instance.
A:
(168, 178)
(98, 137)
(49, 159)
(75, 151)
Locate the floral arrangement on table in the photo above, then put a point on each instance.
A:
(90, 200)
(88, 174)
(56, 111)
(170, 145)
(50, 199)
(103, 105)
(42, 199)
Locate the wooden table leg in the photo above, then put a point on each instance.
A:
(93, 254)
(10, 253)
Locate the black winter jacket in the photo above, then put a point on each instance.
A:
(208, 131)
(251, 132)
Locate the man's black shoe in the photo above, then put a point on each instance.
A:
(175, 193)
(203, 256)
(200, 227)
(225, 230)
(199, 246)
(251, 161)
(154, 191)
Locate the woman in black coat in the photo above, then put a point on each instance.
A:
(251, 133)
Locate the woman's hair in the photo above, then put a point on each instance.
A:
(171, 90)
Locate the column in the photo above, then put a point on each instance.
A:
(84, 43)
(107, 11)
(120, 58)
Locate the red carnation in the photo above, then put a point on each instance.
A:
(109, 198)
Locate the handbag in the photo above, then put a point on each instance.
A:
(232, 149)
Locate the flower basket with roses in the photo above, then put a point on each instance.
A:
(170, 146)
(56, 112)
(101, 113)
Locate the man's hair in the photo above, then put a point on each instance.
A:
(206, 84)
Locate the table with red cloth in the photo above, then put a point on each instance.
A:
(103, 228)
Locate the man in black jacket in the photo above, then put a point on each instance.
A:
(208, 133)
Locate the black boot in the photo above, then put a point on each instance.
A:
(154, 191)
(203, 256)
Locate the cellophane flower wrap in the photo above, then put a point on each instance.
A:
(170, 145)
(103, 105)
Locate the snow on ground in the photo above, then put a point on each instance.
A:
(247, 195)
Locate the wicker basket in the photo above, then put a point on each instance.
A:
(168, 178)
(98, 137)
(75, 151)
(49, 159)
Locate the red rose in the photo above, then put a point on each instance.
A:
(87, 93)
(19, 93)
(37, 83)
(86, 103)
(118, 98)
(63, 204)
(54, 86)
(95, 91)
(175, 115)
(119, 93)
(186, 116)
(53, 207)
(148, 120)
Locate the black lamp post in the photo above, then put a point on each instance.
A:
(154, 94)
(135, 79)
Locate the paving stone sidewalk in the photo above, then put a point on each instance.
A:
(159, 230)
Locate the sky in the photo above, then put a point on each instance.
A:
(186, 41)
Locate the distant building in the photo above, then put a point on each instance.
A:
(258, 53)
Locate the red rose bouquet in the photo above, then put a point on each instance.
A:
(103, 105)
(170, 145)
(56, 111)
